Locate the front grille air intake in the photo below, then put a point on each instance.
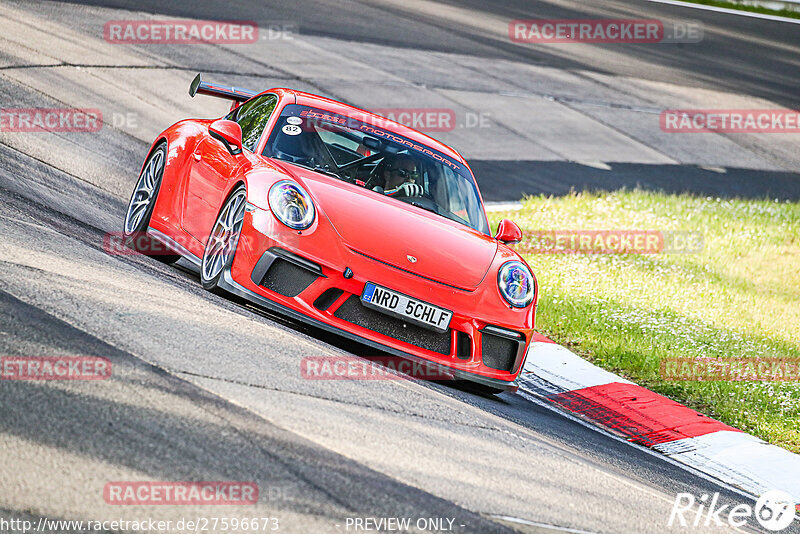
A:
(500, 348)
(354, 312)
(327, 298)
(463, 345)
(285, 273)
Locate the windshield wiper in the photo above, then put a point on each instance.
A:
(316, 168)
(325, 170)
(442, 213)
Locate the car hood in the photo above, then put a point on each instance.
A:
(401, 235)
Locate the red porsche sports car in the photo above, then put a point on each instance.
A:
(343, 219)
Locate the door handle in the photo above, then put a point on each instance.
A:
(197, 156)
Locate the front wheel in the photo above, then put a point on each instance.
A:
(221, 245)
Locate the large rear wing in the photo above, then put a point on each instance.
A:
(198, 86)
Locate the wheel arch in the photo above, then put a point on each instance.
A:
(160, 139)
(234, 184)
(180, 140)
(228, 192)
(211, 283)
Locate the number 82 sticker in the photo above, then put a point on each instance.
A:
(291, 129)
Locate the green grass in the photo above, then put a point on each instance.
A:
(753, 9)
(739, 297)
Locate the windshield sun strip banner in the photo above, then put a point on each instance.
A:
(357, 124)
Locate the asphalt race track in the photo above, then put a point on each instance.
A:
(206, 388)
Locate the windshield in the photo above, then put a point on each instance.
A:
(377, 159)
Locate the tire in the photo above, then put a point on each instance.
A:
(141, 205)
(221, 246)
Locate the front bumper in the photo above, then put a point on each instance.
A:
(229, 284)
(319, 251)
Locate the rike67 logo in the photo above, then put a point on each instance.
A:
(774, 511)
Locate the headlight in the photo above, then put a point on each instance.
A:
(291, 205)
(516, 284)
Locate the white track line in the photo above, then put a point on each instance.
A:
(726, 10)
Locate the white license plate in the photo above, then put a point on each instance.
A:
(406, 308)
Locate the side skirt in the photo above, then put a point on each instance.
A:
(188, 259)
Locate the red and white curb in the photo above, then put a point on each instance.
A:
(654, 421)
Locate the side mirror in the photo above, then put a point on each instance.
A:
(228, 133)
(508, 232)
